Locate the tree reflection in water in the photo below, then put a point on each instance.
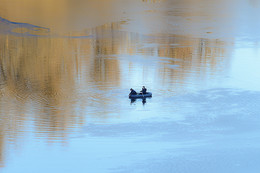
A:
(60, 81)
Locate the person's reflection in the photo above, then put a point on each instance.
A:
(144, 101)
(133, 101)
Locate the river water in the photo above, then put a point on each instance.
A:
(66, 69)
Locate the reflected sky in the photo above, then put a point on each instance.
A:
(66, 69)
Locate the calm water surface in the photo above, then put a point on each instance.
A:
(65, 79)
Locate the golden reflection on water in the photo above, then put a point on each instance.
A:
(42, 77)
(45, 81)
(50, 71)
(59, 15)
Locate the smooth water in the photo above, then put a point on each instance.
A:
(66, 69)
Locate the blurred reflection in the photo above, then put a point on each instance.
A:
(61, 82)
(61, 16)
(106, 43)
(67, 63)
(133, 101)
(144, 101)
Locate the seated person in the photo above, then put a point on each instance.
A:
(143, 90)
(133, 92)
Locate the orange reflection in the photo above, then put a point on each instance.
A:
(53, 79)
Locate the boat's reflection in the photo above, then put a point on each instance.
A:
(134, 100)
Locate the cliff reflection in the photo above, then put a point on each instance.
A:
(35, 72)
(54, 84)
(106, 70)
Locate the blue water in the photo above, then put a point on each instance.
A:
(64, 103)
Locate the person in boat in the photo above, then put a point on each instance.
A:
(133, 92)
(143, 91)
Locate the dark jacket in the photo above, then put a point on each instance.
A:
(144, 90)
(133, 92)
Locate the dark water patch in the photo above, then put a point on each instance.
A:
(30, 30)
(21, 29)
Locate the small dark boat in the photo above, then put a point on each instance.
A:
(140, 95)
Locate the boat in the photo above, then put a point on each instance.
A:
(140, 95)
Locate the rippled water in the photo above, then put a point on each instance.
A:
(66, 69)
